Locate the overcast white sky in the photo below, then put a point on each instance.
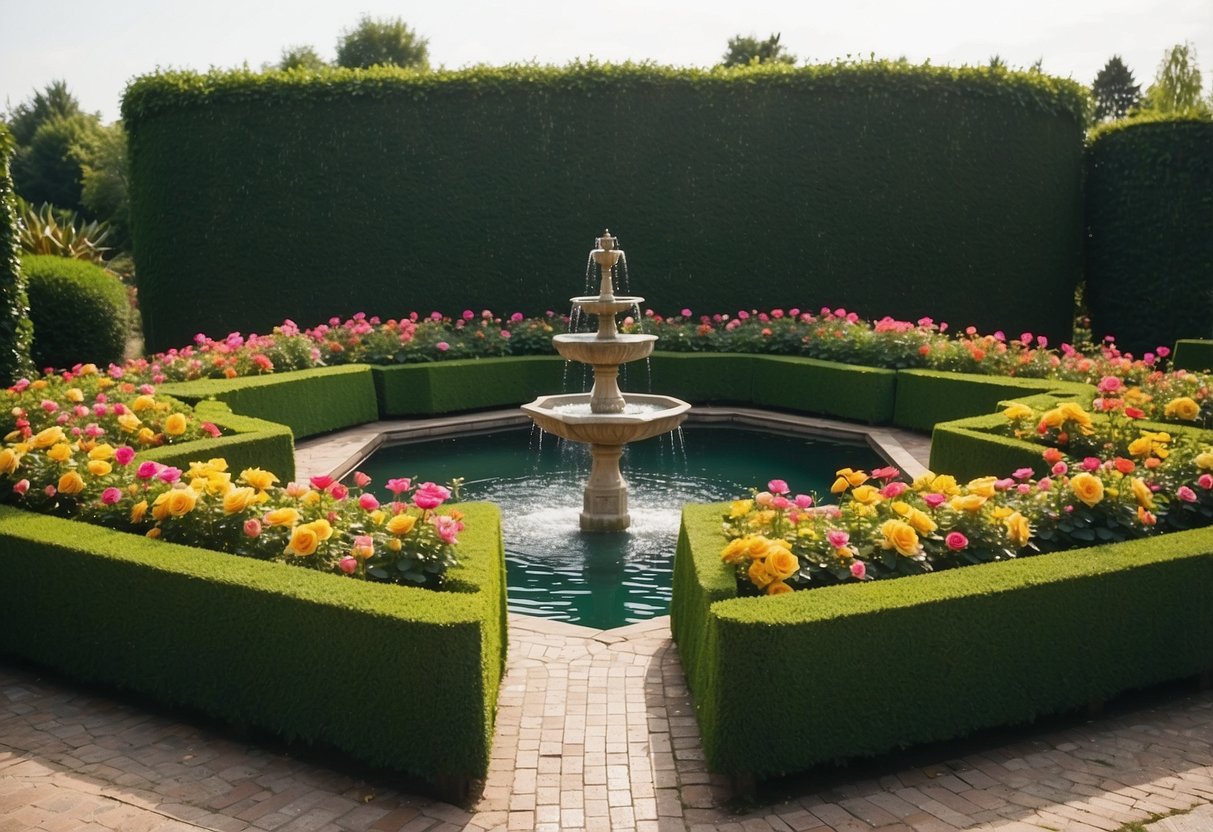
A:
(97, 47)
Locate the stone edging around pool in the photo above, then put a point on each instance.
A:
(339, 453)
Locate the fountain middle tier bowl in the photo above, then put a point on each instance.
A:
(588, 348)
(597, 305)
(644, 416)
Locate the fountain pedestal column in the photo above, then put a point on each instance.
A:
(604, 506)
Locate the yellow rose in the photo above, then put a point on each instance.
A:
(9, 460)
(393, 544)
(99, 467)
(258, 478)
(1087, 488)
(945, 484)
(129, 422)
(71, 483)
(74, 395)
(103, 451)
(1019, 411)
(46, 438)
(146, 436)
(282, 517)
(740, 508)
(181, 501)
(138, 510)
(778, 588)
(968, 502)
(758, 574)
(983, 486)
(1151, 443)
(90, 369)
(306, 537)
(238, 499)
(848, 479)
(867, 495)
(61, 452)
(1182, 408)
(1142, 493)
(1018, 529)
(176, 424)
(1073, 412)
(143, 403)
(735, 551)
(402, 523)
(310, 498)
(377, 516)
(901, 536)
(1204, 459)
(921, 521)
(781, 563)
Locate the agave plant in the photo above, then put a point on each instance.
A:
(47, 230)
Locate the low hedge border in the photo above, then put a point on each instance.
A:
(247, 443)
(783, 684)
(1191, 354)
(928, 397)
(309, 656)
(465, 384)
(309, 402)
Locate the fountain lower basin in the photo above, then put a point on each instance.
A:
(644, 416)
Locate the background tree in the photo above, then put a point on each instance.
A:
(1114, 90)
(301, 57)
(50, 168)
(106, 184)
(54, 101)
(373, 42)
(1177, 84)
(747, 49)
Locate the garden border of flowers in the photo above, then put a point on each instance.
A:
(308, 655)
(784, 684)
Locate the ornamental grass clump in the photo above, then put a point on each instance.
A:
(1126, 483)
(321, 524)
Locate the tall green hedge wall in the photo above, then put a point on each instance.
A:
(16, 331)
(880, 187)
(1150, 232)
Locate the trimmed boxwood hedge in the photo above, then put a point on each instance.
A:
(309, 402)
(866, 182)
(470, 384)
(247, 443)
(80, 312)
(1191, 354)
(1149, 195)
(928, 397)
(399, 677)
(783, 684)
(16, 331)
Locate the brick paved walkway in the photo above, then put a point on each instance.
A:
(593, 733)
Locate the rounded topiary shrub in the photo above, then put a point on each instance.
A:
(80, 312)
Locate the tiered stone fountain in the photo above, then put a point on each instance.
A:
(604, 418)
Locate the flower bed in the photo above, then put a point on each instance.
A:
(313, 657)
(861, 669)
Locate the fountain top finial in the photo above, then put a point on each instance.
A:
(606, 242)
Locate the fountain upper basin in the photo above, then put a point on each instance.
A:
(598, 305)
(569, 417)
(588, 348)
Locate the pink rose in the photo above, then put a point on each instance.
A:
(20, 487)
(399, 485)
(446, 527)
(368, 502)
(956, 541)
(110, 496)
(361, 480)
(338, 491)
(430, 495)
(124, 454)
(1205, 481)
(322, 482)
(803, 501)
(859, 570)
(1186, 494)
(893, 490)
(252, 527)
(777, 487)
(1059, 468)
(49, 406)
(1091, 463)
(780, 502)
(442, 346)
(838, 538)
(168, 474)
(934, 499)
(147, 470)
(348, 564)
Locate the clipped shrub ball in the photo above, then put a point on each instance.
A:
(80, 312)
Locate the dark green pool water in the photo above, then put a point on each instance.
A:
(608, 580)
